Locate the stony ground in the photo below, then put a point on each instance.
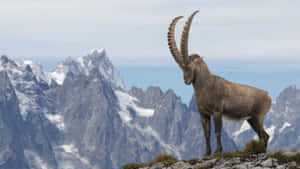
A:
(252, 157)
(261, 161)
(255, 161)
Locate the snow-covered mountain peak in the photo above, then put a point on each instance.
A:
(97, 52)
(9, 66)
(37, 70)
(27, 78)
(3, 59)
(96, 58)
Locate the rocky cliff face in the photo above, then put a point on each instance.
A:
(11, 124)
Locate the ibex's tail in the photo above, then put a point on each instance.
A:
(268, 104)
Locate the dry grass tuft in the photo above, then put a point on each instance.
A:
(166, 159)
(255, 147)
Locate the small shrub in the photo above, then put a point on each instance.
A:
(163, 157)
(166, 159)
(131, 166)
(255, 147)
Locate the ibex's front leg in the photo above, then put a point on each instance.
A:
(218, 129)
(205, 119)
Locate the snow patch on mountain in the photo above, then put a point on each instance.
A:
(271, 132)
(25, 103)
(245, 126)
(284, 126)
(126, 102)
(35, 160)
(57, 120)
(73, 151)
(150, 131)
(69, 148)
(58, 76)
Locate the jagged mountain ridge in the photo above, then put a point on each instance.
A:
(82, 123)
(88, 119)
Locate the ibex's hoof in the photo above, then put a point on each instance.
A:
(206, 156)
(218, 151)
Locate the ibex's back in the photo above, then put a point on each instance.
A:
(241, 102)
(216, 96)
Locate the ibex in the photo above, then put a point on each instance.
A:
(216, 96)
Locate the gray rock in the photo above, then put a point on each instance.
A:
(158, 165)
(182, 165)
(292, 164)
(269, 163)
(242, 166)
(258, 168)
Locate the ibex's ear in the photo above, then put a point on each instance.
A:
(194, 56)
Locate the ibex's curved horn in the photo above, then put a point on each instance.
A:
(172, 43)
(185, 38)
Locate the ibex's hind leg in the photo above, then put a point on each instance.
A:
(205, 120)
(257, 125)
(218, 129)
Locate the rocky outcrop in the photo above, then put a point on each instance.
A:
(258, 161)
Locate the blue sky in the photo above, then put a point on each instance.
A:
(133, 32)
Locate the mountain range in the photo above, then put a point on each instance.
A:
(82, 115)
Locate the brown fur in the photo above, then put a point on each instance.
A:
(217, 97)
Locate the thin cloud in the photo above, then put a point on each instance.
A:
(136, 30)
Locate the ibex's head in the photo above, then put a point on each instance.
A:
(187, 63)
